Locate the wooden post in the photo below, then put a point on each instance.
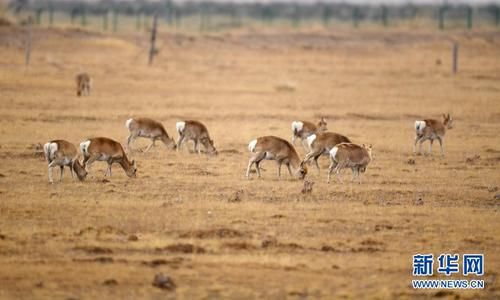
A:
(355, 17)
(138, 16)
(38, 14)
(327, 15)
(51, 14)
(441, 17)
(83, 15)
(27, 48)
(469, 17)
(455, 58)
(115, 20)
(385, 20)
(152, 48)
(497, 16)
(105, 20)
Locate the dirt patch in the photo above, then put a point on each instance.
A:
(182, 248)
(103, 259)
(220, 233)
(93, 249)
(240, 246)
(174, 263)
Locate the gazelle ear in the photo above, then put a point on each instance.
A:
(449, 116)
(323, 119)
(444, 116)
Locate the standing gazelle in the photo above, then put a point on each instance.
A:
(348, 155)
(198, 133)
(303, 129)
(148, 128)
(104, 149)
(63, 153)
(278, 149)
(83, 83)
(430, 129)
(322, 143)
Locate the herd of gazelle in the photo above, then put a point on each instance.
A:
(315, 139)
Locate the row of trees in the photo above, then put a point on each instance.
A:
(295, 13)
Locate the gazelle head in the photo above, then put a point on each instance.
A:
(170, 143)
(368, 148)
(322, 125)
(132, 170)
(80, 171)
(448, 121)
(302, 170)
(209, 145)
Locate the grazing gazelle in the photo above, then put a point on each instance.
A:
(278, 149)
(63, 153)
(348, 155)
(83, 83)
(303, 129)
(148, 128)
(198, 133)
(430, 130)
(322, 143)
(105, 149)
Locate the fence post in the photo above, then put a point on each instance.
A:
(327, 15)
(51, 14)
(455, 57)
(152, 48)
(38, 14)
(138, 16)
(105, 21)
(385, 21)
(27, 49)
(83, 15)
(115, 20)
(73, 16)
(497, 15)
(355, 17)
(441, 17)
(469, 17)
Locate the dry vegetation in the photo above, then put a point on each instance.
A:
(196, 218)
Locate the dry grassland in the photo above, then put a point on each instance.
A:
(196, 218)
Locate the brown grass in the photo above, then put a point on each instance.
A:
(108, 239)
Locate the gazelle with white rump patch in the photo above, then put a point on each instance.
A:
(431, 130)
(108, 150)
(303, 129)
(198, 133)
(63, 153)
(322, 143)
(278, 149)
(348, 155)
(148, 128)
(83, 84)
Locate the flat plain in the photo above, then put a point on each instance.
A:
(197, 218)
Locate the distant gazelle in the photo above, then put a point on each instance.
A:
(430, 129)
(198, 133)
(322, 143)
(83, 84)
(148, 128)
(108, 150)
(348, 155)
(63, 153)
(303, 129)
(278, 149)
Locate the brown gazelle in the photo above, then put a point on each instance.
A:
(83, 84)
(148, 128)
(198, 133)
(322, 143)
(105, 149)
(303, 129)
(348, 155)
(278, 149)
(431, 130)
(63, 153)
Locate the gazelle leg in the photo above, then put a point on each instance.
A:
(420, 145)
(257, 166)
(440, 140)
(52, 164)
(279, 170)
(317, 165)
(150, 146)
(293, 139)
(179, 142)
(250, 163)
(61, 174)
(131, 138)
(430, 146)
(289, 169)
(415, 144)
